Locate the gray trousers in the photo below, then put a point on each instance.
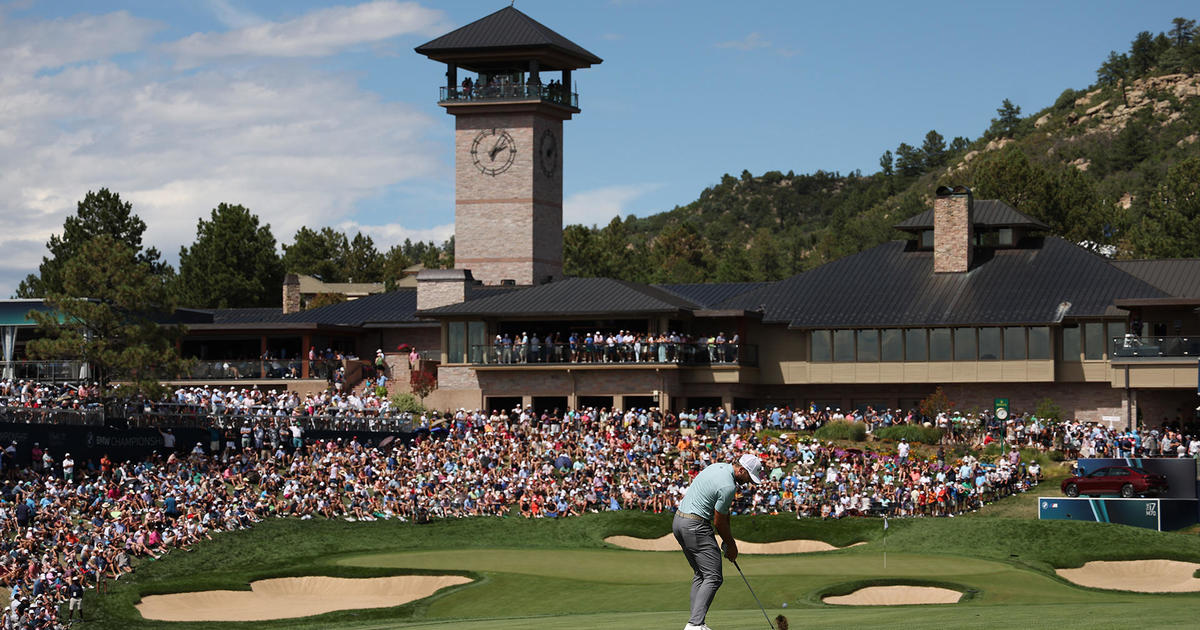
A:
(699, 543)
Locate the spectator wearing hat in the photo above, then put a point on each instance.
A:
(68, 467)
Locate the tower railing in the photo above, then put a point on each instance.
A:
(509, 92)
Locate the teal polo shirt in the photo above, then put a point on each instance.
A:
(711, 490)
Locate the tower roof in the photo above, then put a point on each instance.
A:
(506, 36)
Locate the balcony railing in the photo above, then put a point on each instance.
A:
(626, 354)
(509, 92)
(1133, 346)
(260, 369)
(44, 371)
(12, 411)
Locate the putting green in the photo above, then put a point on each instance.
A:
(561, 582)
(559, 575)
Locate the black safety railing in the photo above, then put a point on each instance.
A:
(234, 369)
(509, 92)
(1134, 346)
(44, 371)
(183, 415)
(35, 415)
(621, 353)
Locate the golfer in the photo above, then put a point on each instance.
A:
(705, 505)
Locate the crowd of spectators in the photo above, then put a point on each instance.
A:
(622, 346)
(68, 521)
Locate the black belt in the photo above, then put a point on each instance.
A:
(692, 517)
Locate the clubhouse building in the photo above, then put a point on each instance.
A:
(973, 296)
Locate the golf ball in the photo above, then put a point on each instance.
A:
(785, 604)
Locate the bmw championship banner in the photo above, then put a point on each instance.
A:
(1158, 514)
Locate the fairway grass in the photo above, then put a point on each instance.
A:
(560, 574)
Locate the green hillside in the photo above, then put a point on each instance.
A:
(1114, 166)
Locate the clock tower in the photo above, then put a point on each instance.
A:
(508, 86)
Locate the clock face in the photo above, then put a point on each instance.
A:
(548, 153)
(493, 151)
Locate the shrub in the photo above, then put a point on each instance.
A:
(407, 403)
(935, 403)
(1047, 409)
(842, 430)
(910, 432)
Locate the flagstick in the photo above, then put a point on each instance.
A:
(885, 528)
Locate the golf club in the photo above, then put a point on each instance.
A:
(760, 606)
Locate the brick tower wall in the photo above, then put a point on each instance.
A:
(509, 226)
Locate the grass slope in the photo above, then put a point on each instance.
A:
(560, 574)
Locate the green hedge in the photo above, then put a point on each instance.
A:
(910, 432)
(842, 430)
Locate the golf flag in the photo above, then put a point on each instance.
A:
(885, 523)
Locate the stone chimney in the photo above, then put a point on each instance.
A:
(953, 230)
(291, 293)
(443, 287)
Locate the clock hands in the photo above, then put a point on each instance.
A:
(498, 147)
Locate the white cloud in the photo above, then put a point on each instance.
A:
(296, 145)
(390, 234)
(233, 16)
(753, 41)
(316, 34)
(29, 47)
(598, 206)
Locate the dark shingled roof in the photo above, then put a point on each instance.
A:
(892, 285)
(709, 295)
(394, 307)
(246, 315)
(1178, 277)
(572, 297)
(986, 212)
(506, 28)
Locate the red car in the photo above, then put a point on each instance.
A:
(1127, 481)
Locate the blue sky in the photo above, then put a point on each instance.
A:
(319, 113)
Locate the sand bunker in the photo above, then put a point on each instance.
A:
(285, 598)
(668, 543)
(895, 596)
(1143, 576)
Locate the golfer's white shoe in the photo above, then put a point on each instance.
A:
(692, 626)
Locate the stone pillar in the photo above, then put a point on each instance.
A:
(952, 230)
(291, 293)
(443, 287)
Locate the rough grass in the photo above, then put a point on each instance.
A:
(560, 574)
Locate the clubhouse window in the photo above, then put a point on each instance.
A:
(456, 342)
(843, 346)
(940, 345)
(964, 344)
(1071, 347)
(1039, 343)
(1093, 341)
(1116, 330)
(892, 344)
(1014, 343)
(990, 344)
(915, 344)
(868, 346)
(822, 346)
